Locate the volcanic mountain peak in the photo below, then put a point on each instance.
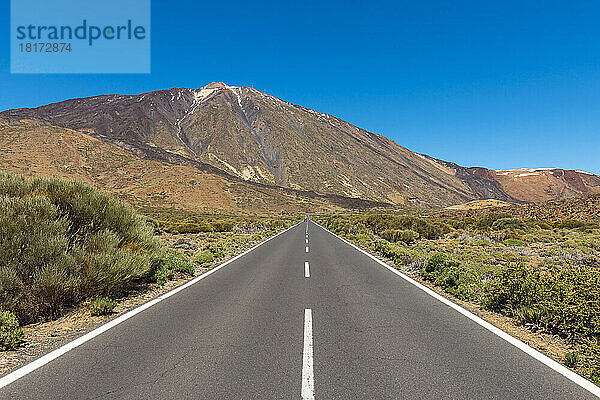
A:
(243, 133)
(216, 85)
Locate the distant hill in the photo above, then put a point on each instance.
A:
(586, 209)
(243, 135)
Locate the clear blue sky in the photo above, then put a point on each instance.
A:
(497, 84)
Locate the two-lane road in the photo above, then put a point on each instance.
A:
(301, 314)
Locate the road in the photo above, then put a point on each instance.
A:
(295, 318)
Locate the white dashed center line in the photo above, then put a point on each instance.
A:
(308, 380)
(306, 270)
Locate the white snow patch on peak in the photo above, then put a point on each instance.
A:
(201, 94)
(527, 174)
(524, 170)
(239, 100)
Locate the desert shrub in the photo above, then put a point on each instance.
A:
(338, 225)
(204, 258)
(486, 221)
(571, 359)
(508, 223)
(400, 235)
(515, 288)
(446, 272)
(216, 249)
(154, 224)
(426, 229)
(380, 223)
(407, 236)
(162, 275)
(11, 334)
(564, 300)
(63, 241)
(189, 227)
(456, 223)
(572, 224)
(514, 242)
(222, 226)
(377, 222)
(256, 236)
(102, 306)
(527, 315)
(169, 264)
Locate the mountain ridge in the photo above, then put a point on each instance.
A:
(243, 134)
(77, 155)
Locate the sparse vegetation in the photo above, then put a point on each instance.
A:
(204, 258)
(102, 306)
(11, 334)
(178, 221)
(64, 241)
(227, 235)
(169, 264)
(64, 244)
(543, 273)
(571, 359)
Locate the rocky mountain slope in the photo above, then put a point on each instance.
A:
(33, 149)
(543, 184)
(245, 135)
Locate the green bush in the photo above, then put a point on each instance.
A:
(169, 264)
(222, 226)
(572, 224)
(189, 227)
(63, 241)
(400, 235)
(529, 315)
(256, 236)
(508, 223)
(564, 300)
(487, 221)
(514, 242)
(162, 275)
(381, 223)
(447, 273)
(102, 306)
(216, 249)
(515, 288)
(571, 359)
(204, 258)
(11, 334)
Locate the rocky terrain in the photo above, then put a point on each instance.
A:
(243, 135)
(34, 149)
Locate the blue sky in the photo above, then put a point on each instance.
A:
(495, 84)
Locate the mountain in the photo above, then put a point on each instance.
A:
(543, 184)
(528, 185)
(30, 148)
(244, 135)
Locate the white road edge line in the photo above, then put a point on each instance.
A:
(32, 366)
(306, 270)
(308, 379)
(561, 369)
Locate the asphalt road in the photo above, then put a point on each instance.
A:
(259, 328)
